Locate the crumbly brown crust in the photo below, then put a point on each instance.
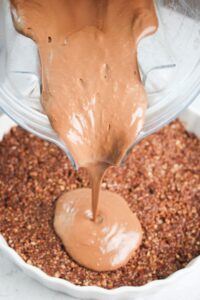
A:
(160, 180)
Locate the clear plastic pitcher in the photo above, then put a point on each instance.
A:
(169, 65)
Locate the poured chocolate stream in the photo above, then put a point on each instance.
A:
(93, 96)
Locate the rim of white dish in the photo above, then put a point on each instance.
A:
(99, 291)
(116, 291)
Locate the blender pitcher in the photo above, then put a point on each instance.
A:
(169, 64)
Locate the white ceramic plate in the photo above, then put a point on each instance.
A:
(187, 279)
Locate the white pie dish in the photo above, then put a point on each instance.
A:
(185, 280)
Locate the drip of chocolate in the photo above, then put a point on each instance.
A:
(92, 92)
